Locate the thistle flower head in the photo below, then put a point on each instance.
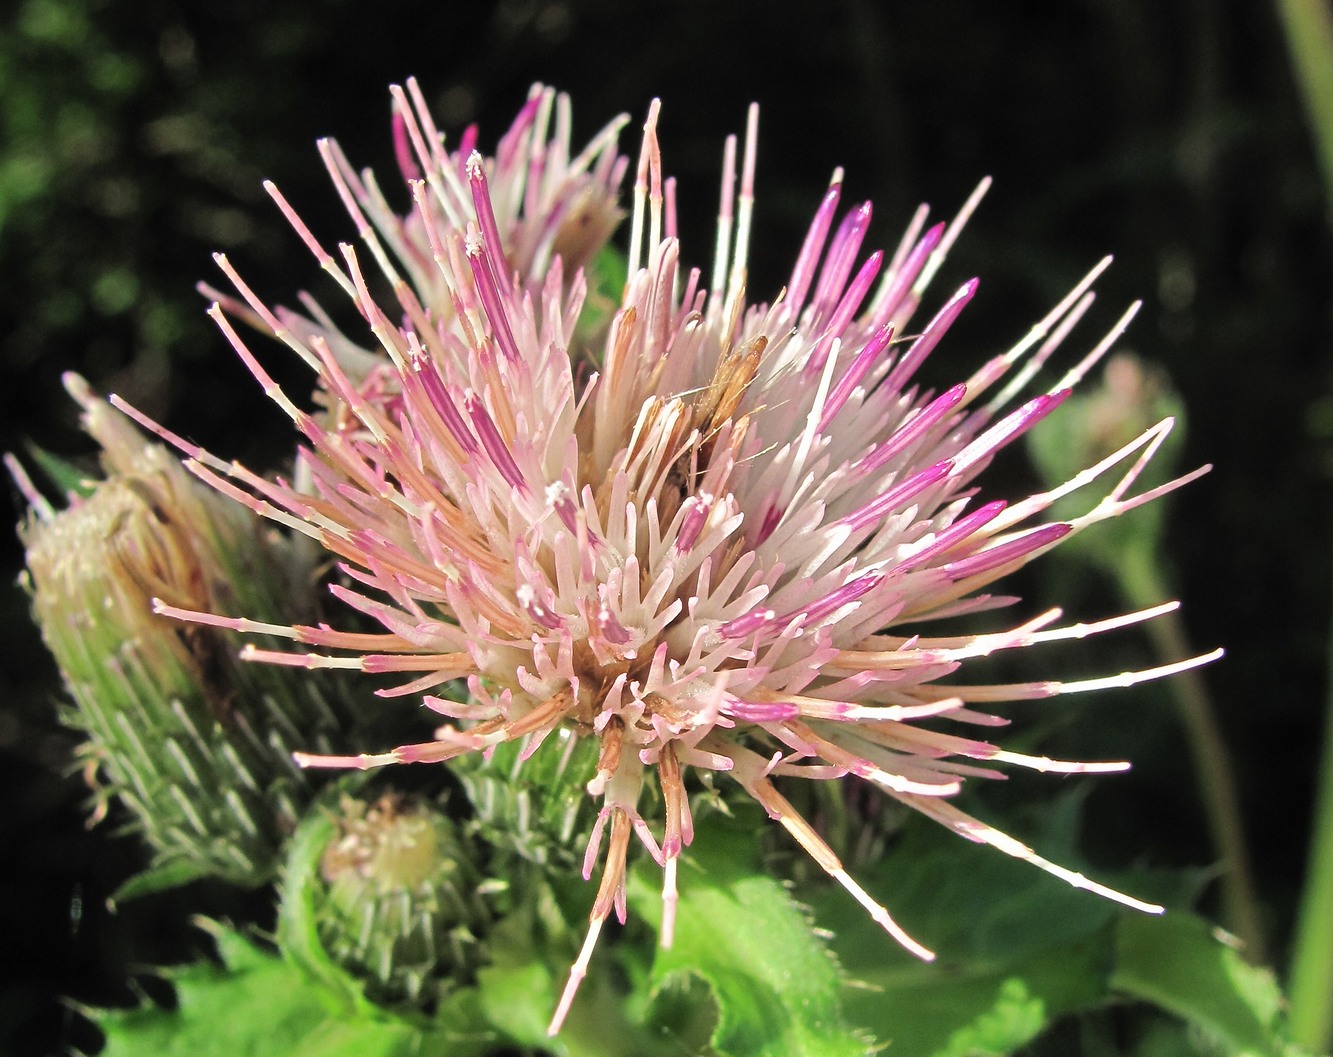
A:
(720, 542)
(197, 746)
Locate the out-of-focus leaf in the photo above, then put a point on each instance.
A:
(969, 904)
(1015, 947)
(606, 275)
(518, 991)
(1018, 948)
(959, 1010)
(157, 879)
(1180, 963)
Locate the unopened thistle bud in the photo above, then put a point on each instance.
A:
(395, 895)
(193, 741)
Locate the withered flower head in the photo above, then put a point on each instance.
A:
(196, 745)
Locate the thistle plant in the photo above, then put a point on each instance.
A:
(197, 746)
(718, 543)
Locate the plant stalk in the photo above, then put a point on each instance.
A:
(1310, 983)
(1308, 25)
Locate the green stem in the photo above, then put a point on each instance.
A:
(1144, 584)
(1310, 986)
(1309, 29)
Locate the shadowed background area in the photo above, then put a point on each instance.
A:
(136, 137)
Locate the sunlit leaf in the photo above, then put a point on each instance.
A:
(257, 1004)
(777, 988)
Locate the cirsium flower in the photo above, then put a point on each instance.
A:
(719, 543)
(196, 746)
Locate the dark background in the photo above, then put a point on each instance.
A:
(1167, 132)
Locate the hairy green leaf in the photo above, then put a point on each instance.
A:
(777, 988)
(256, 1003)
